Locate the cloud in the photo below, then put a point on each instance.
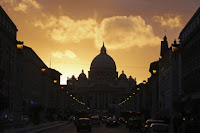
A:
(117, 31)
(67, 53)
(172, 22)
(23, 5)
(10, 1)
(70, 54)
(31, 3)
(57, 54)
(64, 28)
(124, 32)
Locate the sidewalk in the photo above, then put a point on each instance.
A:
(35, 128)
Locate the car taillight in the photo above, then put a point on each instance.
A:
(114, 121)
(125, 121)
(74, 118)
(89, 123)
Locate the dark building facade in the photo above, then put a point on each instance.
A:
(190, 44)
(8, 65)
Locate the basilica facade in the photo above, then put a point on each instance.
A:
(103, 87)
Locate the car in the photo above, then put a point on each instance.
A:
(158, 128)
(95, 120)
(25, 118)
(10, 118)
(111, 121)
(135, 125)
(122, 120)
(127, 122)
(84, 124)
(71, 118)
(104, 119)
(151, 121)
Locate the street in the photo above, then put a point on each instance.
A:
(70, 128)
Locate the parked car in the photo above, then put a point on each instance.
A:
(95, 120)
(135, 125)
(10, 118)
(71, 118)
(111, 121)
(84, 124)
(25, 118)
(122, 120)
(158, 128)
(151, 121)
(127, 122)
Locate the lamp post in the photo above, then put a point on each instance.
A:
(18, 95)
(176, 81)
(43, 97)
(154, 88)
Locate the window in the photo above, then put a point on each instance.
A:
(0, 52)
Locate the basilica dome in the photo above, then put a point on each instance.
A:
(82, 76)
(103, 61)
(123, 76)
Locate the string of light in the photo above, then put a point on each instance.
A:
(90, 64)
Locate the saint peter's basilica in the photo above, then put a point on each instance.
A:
(103, 87)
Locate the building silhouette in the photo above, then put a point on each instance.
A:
(103, 87)
(190, 47)
(8, 66)
(27, 85)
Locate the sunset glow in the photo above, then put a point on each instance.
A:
(67, 35)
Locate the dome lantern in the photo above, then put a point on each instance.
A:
(123, 76)
(103, 49)
(82, 76)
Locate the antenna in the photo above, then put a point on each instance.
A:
(165, 32)
(50, 63)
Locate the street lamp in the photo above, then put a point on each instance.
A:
(130, 96)
(43, 69)
(175, 46)
(54, 81)
(133, 93)
(20, 45)
(154, 71)
(144, 82)
(138, 89)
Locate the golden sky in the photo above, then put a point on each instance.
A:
(69, 33)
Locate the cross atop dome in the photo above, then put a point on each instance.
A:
(165, 38)
(103, 49)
